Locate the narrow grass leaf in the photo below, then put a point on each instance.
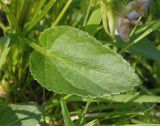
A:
(93, 22)
(121, 98)
(133, 98)
(5, 51)
(92, 123)
(145, 48)
(66, 115)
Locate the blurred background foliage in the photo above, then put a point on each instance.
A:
(28, 18)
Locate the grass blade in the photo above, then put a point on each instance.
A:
(66, 116)
(4, 53)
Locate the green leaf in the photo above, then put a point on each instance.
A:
(93, 22)
(134, 98)
(19, 115)
(145, 48)
(120, 98)
(75, 63)
(66, 116)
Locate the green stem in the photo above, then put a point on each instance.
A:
(41, 15)
(153, 28)
(87, 15)
(40, 4)
(67, 96)
(41, 50)
(62, 13)
(135, 27)
(103, 15)
(44, 95)
(144, 28)
(35, 46)
(85, 111)
(24, 11)
(3, 27)
(10, 17)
